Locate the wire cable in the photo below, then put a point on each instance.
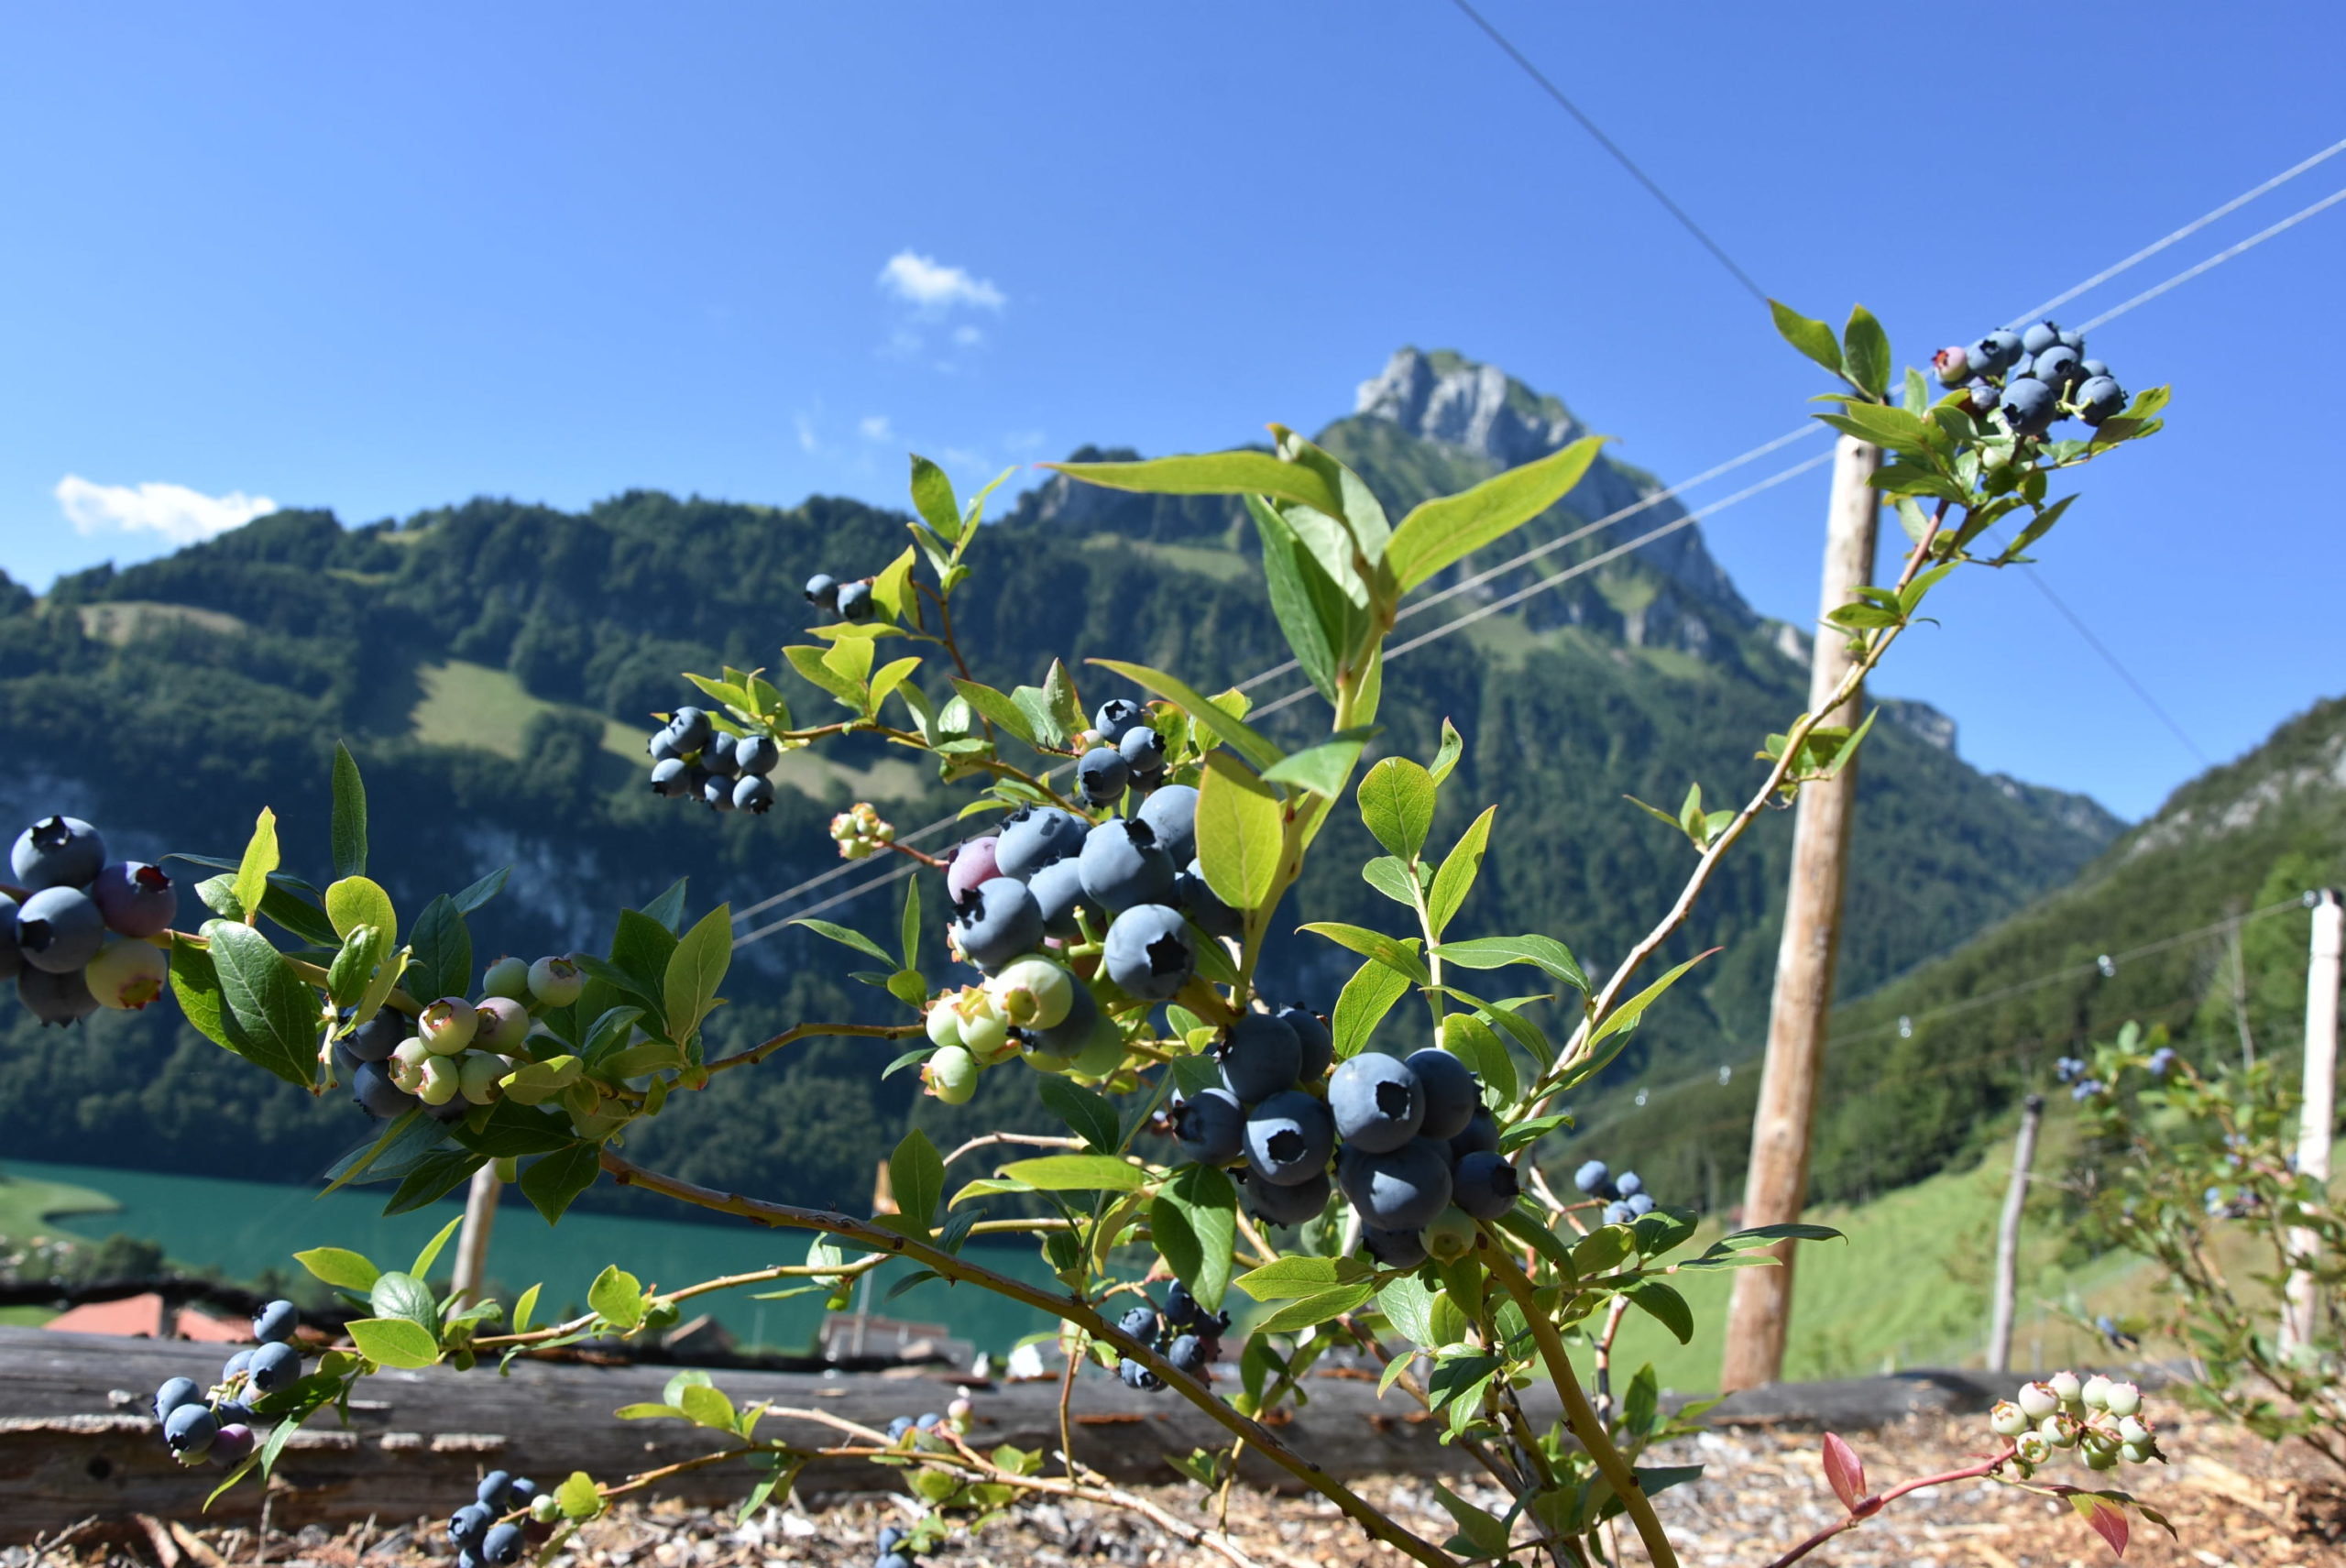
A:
(2188, 273)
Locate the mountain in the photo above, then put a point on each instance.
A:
(493, 664)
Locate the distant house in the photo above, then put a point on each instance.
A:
(142, 1316)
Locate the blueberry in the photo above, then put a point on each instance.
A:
(231, 1444)
(1181, 1310)
(1204, 905)
(1288, 1139)
(2029, 404)
(717, 792)
(522, 1493)
(1952, 365)
(1485, 1184)
(823, 592)
(556, 982)
(1034, 835)
(1075, 1029)
(174, 1393)
(1260, 1056)
(1188, 1354)
(2036, 338)
(190, 1430)
(468, 1525)
(1311, 1033)
(1379, 1104)
(135, 898)
(507, 977)
(1273, 1204)
(898, 1428)
(499, 1023)
(1452, 1094)
(1994, 354)
(55, 998)
(276, 1322)
(1147, 952)
(58, 851)
(662, 748)
(2093, 368)
(1398, 1190)
(1143, 749)
(998, 921)
(1639, 1204)
(1628, 1184)
(2162, 1062)
(1124, 865)
(1983, 397)
(501, 1545)
(234, 1367)
(1394, 1248)
(1481, 1136)
(927, 1420)
(2058, 367)
(1117, 715)
(2100, 399)
(2070, 338)
(1618, 1214)
(1594, 1177)
(1101, 775)
(758, 755)
(855, 602)
(274, 1367)
(1171, 814)
(447, 1026)
(671, 778)
(692, 729)
(971, 863)
(1135, 1376)
(1139, 1323)
(1209, 1126)
(891, 1538)
(59, 929)
(12, 958)
(1059, 893)
(1449, 1235)
(717, 756)
(753, 794)
(127, 974)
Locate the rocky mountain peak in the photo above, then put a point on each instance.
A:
(1445, 396)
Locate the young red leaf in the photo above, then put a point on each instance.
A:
(2109, 1521)
(1844, 1471)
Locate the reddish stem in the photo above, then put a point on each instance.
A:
(1868, 1506)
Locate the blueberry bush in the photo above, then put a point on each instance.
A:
(1218, 1149)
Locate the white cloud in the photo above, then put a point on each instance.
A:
(935, 288)
(875, 428)
(175, 513)
(968, 337)
(807, 441)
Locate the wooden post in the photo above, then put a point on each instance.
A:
(472, 1242)
(1777, 1184)
(2000, 1318)
(2301, 1304)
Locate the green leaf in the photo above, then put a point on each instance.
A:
(1227, 726)
(1768, 1236)
(431, 1253)
(1310, 1310)
(526, 1308)
(273, 1016)
(355, 901)
(441, 960)
(1479, 1528)
(347, 835)
(1664, 1305)
(1213, 474)
(1865, 352)
(1194, 1222)
(260, 859)
(433, 1177)
(696, 969)
(400, 1295)
(196, 982)
(1408, 1305)
(1813, 338)
(1366, 998)
(841, 934)
(1543, 953)
(577, 1496)
(1240, 832)
(997, 707)
(645, 1410)
(1312, 612)
(617, 1296)
(1453, 746)
(553, 1180)
(809, 661)
(1440, 532)
(1088, 1113)
(1397, 800)
(339, 1266)
(1302, 1275)
(1396, 953)
(1078, 1173)
(908, 928)
(393, 1341)
(707, 1407)
(1893, 428)
(1321, 769)
(1390, 875)
(471, 898)
(891, 594)
(1478, 1045)
(1459, 869)
(933, 498)
(1625, 1015)
(916, 1178)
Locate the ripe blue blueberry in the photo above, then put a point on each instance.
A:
(2059, 366)
(2162, 1062)
(2093, 368)
(373, 1092)
(891, 1538)
(1148, 952)
(855, 602)
(1594, 1177)
(1139, 1323)
(717, 756)
(898, 1428)
(501, 1545)
(1398, 1190)
(2029, 404)
(1482, 1135)
(1994, 354)
(753, 794)
(2070, 338)
(823, 592)
(12, 958)
(493, 1488)
(1639, 1203)
(1101, 775)
(175, 1392)
(2100, 399)
(276, 1323)
(55, 998)
(1394, 1248)
(662, 747)
(274, 1367)
(1379, 1105)
(1983, 398)
(1617, 1213)
(759, 754)
(234, 1367)
(1450, 1092)
(717, 792)
(190, 1430)
(1485, 1184)
(997, 922)
(1209, 1126)
(135, 898)
(59, 929)
(1188, 1354)
(1034, 835)
(468, 1525)
(1171, 814)
(58, 851)
(1628, 1184)
(1059, 893)
(1318, 1045)
(1276, 1205)
(1260, 1055)
(1143, 749)
(2038, 336)
(1122, 865)
(1135, 1376)
(1181, 1310)
(1204, 905)
(674, 778)
(1288, 1139)
(692, 727)
(1117, 715)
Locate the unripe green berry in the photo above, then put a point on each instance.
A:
(2066, 1386)
(507, 977)
(983, 1030)
(479, 1073)
(406, 1066)
(952, 1075)
(2138, 1452)
(2037, 1401)
(447, 1026)
(944, 1024)
(2098, 1458)
(546, 1507)
(2007, 1419)
(2059, 1431)
(2095, 1393)
(2132, 1430)
(2122, 1400)
(556, 982)
(501, 1024)
(440, 1081)
(2032, 1448)
(1451, 1236)
(1033, 993)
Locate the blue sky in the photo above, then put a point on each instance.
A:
(380, 261)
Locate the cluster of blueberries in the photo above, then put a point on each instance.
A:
(848, 601)
(1625, 1195)
(74, 928)
(1185, 1334)
(2099, 1419)
(896, 1549)
(692, 759)
(1413, 1149)
(216, 1423)
(482, 1534)
(2073, 1071)
(2035, 376)
(957, 1416)
(454, 1054)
